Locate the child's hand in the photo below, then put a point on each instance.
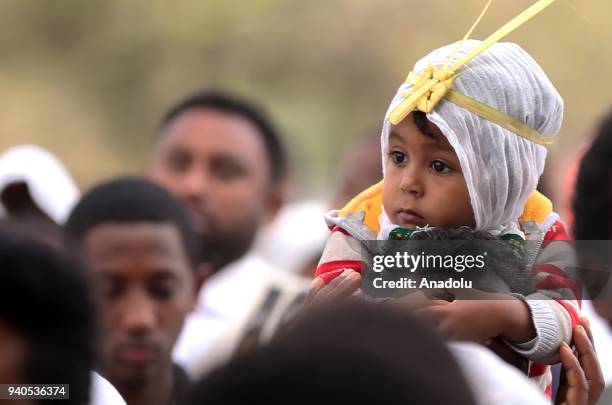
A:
(417, 300)
(475, 321)
(339, 289)
(479, 316)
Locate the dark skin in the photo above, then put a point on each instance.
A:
(423, 176)
(582, 380)
(216, 163)
(13, 352)
(424, 185)
(145, 286)
(18, 203)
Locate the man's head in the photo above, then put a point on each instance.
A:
(141, 253)
(223, 158)
(361, 167)
(593, 219)
(348, 354)
(46, 317)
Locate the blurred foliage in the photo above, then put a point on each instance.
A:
(90, 80)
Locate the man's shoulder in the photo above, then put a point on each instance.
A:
(181, 383)
(103, 392)
(493, 381)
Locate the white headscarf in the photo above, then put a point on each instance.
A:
(49, 183)
(501, 169)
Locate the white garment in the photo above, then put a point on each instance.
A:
(49, 183)
(102, 392)
(501, 169)
(296, 236)
(602, 335)
(492, 381)
(225, 302)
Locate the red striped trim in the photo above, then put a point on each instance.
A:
(536, 370)
(554, 282)
(570, 310)
(557, 232)
(548, 391)
(548, 268)
(330, 270)
(341, 230)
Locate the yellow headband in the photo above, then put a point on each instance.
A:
(434, 84)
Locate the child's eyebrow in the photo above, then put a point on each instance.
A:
(397, 136)
(445, 146)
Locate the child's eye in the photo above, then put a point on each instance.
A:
(440, 166)
(398, 157)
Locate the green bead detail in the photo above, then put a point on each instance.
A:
(400, 233)
(515, 241)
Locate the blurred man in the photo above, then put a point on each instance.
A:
(223, 158)
(354, 178)
(141, 253)
(593, 230)
(225, 161)
(46, 320)
(330, 358)
(300, 252)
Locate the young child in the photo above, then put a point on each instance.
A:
(465, 148)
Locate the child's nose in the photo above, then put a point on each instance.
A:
(412, 184)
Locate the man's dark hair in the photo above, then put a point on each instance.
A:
(592, 206)
(350, 354)
(130, 200)
(593, 192)
(44, 297)
(219, 101)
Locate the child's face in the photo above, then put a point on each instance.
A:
(423, 183)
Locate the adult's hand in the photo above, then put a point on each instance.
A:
(582, 380)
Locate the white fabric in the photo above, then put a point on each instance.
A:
(225, 302)
(501, 169)
(602, 337)
(296, 236)
(49, 183)
(491, 380)
(103, 393)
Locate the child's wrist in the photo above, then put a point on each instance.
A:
(517, 325)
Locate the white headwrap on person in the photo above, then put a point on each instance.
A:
(49, 184)
(500, 167)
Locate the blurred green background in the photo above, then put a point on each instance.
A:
(89, 80)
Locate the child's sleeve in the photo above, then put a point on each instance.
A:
(341, 252)
(555, 306)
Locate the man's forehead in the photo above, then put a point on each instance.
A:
(207, 130)
(135, 239)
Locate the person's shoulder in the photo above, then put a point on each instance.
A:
(493, 381)
(102, 392)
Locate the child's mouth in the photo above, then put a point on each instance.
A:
(409, 217)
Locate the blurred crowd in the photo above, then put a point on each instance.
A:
(193, 282)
